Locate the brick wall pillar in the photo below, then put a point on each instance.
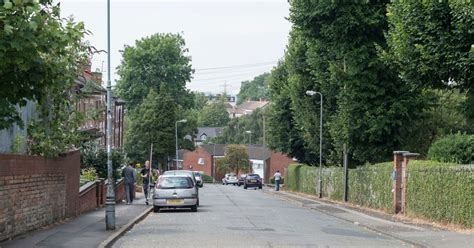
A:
(397, 180)
(406, 158)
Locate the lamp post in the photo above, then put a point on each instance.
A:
(250, 136)
(176, 129)
(312, 93)
(110, 196)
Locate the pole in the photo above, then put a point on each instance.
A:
(176, 132)
(320, 146)
(150, 170)
(214, 164)
(263, 150)
(345, 172)
(110, 198)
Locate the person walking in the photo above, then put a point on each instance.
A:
(277, 177)
(128, 173)
(145, 174)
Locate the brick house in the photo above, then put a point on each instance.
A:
(92, 104)
(263, 161)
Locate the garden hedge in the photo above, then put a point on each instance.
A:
(456, 148)
(436, 191)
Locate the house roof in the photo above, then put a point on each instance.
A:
(210, 132)
(219, 149)
(258, 152)
(247, 107)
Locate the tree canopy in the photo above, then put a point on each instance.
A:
(214, 114)
(40, 52)
(254, 90)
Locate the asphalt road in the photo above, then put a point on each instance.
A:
(230, 216)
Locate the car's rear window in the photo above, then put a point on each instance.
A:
(175, 183)
(197, 174)
(253, 176)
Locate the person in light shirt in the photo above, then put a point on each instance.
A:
(277, 177)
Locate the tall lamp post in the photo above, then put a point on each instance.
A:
(250, 136)
(176, 129)
(110, 196)
(312, 93)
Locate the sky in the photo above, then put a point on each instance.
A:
(229, 41)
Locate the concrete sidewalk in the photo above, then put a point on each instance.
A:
(385, 224)
(86, 230)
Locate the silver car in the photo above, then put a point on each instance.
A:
(175, 191)
(186, 173)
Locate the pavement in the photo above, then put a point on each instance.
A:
(86, 230)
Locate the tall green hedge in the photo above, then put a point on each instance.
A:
(437, 191)
(441, 192)
(371, 186)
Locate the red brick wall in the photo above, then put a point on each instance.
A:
(277, 161)
(192, 157)
(35, 191)
(88, 198)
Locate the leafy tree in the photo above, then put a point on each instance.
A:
(431, 44)
(40, 54)
(214, 115)
(254, 90)
(155, 61)
(200, 100)
(236, 158)
(282, 134)
(153, 122)
(235, 130)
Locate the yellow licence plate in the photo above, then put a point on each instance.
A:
(253, 181)
(175, 201)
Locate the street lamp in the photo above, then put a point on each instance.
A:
(176, 129)
(110, 196)
(250, 136)
(312, 93)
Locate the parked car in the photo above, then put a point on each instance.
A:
(231, 179)
(175, 191)
(253, 180)
(198, 177)
(224, 179)
(186, 173)
(241, 179)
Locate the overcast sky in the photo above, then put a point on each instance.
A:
(246, 37)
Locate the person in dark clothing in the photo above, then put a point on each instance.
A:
(128, 173)
(145, 173)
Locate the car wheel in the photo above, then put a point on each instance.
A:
(197, 203)
(194, 208)
(156, 209)
(245, 186)
(260, 187)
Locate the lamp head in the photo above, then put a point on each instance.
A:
(182, 121)
(310, 92)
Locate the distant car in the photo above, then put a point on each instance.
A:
(175, 191)
(241, 179)
(186, 173)
(253, 180)
(224, 179)
(198, 177)
(230, 179)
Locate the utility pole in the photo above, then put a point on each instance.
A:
(110, 198)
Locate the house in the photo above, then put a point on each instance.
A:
(92, 104)
(206, 133)
(246, 108)
(262, 160)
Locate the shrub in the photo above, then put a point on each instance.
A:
(88, 175)
(457, 148)
(282, 180)
(206, 178)
(93, 156)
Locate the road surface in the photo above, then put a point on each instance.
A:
(230, 216)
